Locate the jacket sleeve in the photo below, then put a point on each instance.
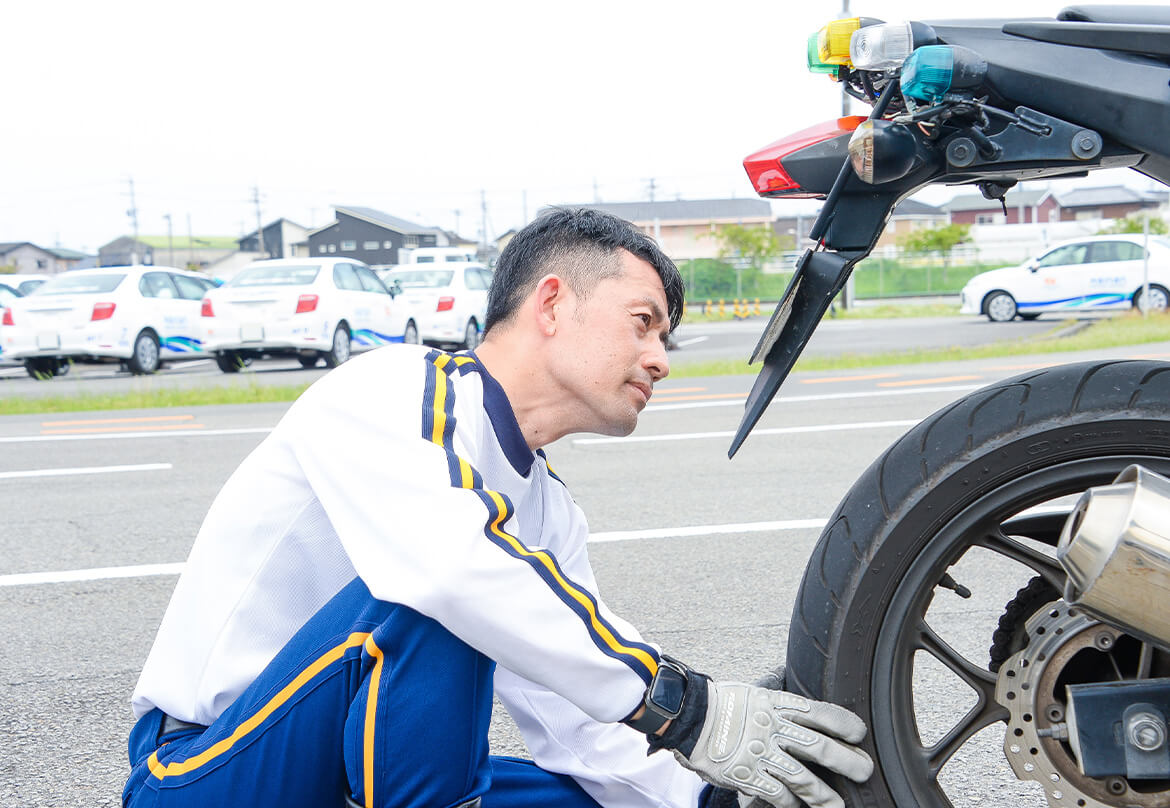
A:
(609, 761)
(392, 461)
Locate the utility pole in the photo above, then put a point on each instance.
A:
(133, 214)
(483, 213)
(190, 244)
(170, 242)
(653, 187)
(259, 223)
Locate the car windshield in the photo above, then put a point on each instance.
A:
(422, 278)
(97, 284)
(276, 276)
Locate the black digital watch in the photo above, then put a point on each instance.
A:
(664, 697)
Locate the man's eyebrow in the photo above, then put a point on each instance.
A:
(657, 311)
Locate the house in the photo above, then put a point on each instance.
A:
(910, 215)
(372, 236)
(1043, 205)
(279, 238)
(1109, 202)
(191, 252)
(684, 228)
(28, 258)
(1023, 207)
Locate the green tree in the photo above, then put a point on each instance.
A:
(940, 239)
(1133, 223)
(747, 248)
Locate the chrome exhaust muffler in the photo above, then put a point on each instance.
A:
(1115, 547)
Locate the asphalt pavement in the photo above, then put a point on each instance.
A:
(702, 553)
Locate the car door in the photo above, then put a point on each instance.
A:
(350, 302)
(384, 325)
(477, 286)
(191, 292)
(1056, 281)
(1113, 272)
(165, 312)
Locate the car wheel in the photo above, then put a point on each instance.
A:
(1159, 298)
(229, 361)
(410, 336)
(340, 350)
(1000, 307)
(145, 358)
(470, 335)
(43, 368)
(309, 361)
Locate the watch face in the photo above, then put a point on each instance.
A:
(667, 690)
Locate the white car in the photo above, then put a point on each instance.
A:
(445, 302)
(23, 283)
(140, 315)
(1099, 273)
(310, 308)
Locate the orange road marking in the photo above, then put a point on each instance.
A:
(120, 420)
(187, 427)
(940, 380)
(865, 378)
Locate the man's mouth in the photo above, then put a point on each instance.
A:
(645, 389)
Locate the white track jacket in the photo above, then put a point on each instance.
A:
(406, 466)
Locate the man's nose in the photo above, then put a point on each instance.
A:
(657, 362)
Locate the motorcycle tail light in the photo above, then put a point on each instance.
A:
(446, 303)
(7, 318)
(815, 65)
(935, 70)
(833, 41)
(306, 303)
(102, 311)
(766, 169)
(881, 47)
(206, 310)
(882, 151)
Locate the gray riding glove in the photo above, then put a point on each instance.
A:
(754, 740)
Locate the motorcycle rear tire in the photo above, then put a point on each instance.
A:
(985, 457)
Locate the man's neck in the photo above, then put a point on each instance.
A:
(533, 401)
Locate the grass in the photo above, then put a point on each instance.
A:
(1130, 329)
(860, 312)
(151, 399)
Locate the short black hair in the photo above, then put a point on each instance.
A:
(581, 245)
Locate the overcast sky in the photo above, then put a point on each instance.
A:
(413, 108)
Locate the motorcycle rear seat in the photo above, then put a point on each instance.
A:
(1118, 15)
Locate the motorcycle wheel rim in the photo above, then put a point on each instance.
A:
(910, 771)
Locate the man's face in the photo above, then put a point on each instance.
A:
(613, 348)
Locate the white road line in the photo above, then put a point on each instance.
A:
(691, 341)
(177, 433)
(146, 570)
(784, 430)
(9, 475)
(738, 402)
(96, 574)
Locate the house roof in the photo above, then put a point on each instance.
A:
(8, 246)
(67, 254)
(980, 202)
(384, 220)
(1107, 195)
(270, 225)
(912, 207)
(686, 209)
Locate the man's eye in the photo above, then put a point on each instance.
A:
(645, 318)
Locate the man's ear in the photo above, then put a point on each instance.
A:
(548, 303)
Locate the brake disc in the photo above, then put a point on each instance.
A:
(1029, 687)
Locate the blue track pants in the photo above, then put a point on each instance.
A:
(369, 699)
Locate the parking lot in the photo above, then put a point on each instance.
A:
(702, 553)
